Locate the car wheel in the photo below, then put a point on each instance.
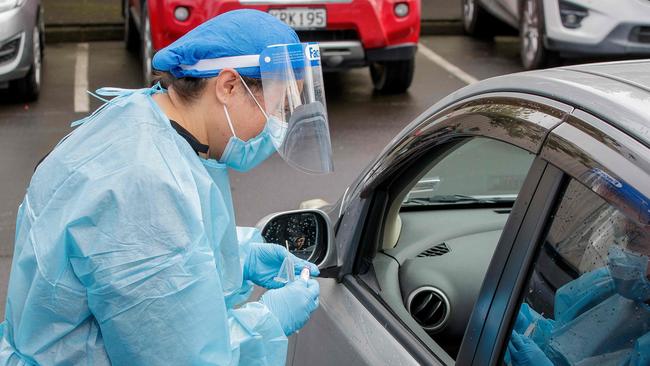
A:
(131, 37)
(392, 77)
(146, 47)
(534, 54)
(28, 88)
(476, 21)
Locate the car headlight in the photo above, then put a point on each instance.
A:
(10, 4)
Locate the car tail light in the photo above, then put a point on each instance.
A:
(401, 10)
(181, 13)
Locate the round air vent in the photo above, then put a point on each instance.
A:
(429, 307)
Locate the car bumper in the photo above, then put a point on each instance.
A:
(629, 39)
(606, 29)
(349, 54)
(15, 42)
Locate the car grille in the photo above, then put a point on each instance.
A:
(640, 35)
(9, 50)
(328, 35)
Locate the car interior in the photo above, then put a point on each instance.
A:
(441, 225)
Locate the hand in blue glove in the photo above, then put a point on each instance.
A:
(522, 321)
(264, 261)
(293, 304)
(525, 352)
(525, 317)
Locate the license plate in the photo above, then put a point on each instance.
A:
(301, 18)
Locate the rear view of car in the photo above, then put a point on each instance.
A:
(351, 33)
(21, 47)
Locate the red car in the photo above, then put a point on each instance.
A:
(382, 34)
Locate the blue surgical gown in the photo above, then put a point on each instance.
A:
(592, 325)
(126, 253)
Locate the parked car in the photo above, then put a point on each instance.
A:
(21, 47)
(550, 29)
(509, 176)
(352, 33)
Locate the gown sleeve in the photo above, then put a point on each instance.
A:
(138, 245)
(582, 294)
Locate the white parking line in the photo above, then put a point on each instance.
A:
(451, 68)
(81, 101)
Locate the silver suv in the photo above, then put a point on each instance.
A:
(21, 47)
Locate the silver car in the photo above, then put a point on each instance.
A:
(21, 47)
(493, 202)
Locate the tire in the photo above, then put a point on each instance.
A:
(131, 36)
(29, 87)
(392, 77)
(533, 53)
(477, 22)
(146, 47)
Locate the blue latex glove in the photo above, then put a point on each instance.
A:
(524, 352)
(293, 304)
(523, 320)
(542, 327)
(264, 261)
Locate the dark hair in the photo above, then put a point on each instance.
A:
(189, 88)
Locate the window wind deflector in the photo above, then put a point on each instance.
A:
(447, 199)
(456, 198)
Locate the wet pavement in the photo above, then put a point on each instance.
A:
(362, 123)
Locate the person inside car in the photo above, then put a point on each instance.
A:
(591, 321)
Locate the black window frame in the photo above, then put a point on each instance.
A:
(581, 143)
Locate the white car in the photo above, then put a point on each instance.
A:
(550, 29)
(21, 47)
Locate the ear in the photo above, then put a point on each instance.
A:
(226, 85)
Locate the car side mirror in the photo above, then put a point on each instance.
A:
(307, 233)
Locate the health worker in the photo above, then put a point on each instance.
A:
(126, 250)
(603, 316)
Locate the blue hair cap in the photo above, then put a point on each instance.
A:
(235, 33)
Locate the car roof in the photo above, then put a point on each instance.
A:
(617, 92)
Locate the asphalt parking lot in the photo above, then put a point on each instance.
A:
(362, 122)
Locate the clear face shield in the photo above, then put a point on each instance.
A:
(294, 101)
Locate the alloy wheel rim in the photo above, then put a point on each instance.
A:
(147, 50)
(36, 41)
(530, 31)
(127, 21)
(469, 7)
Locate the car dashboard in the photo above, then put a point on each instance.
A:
(439, 261)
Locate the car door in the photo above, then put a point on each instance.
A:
(362, 319)
(592, 202)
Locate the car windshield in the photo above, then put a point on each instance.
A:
(479, 171)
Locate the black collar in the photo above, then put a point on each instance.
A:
(196, 145)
